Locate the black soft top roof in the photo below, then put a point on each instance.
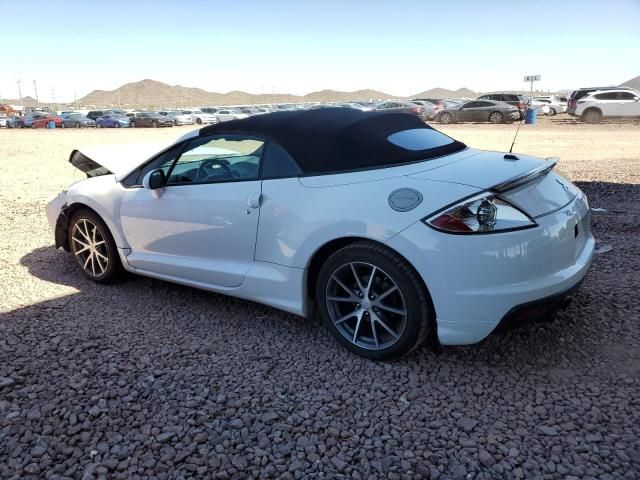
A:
(337, 139)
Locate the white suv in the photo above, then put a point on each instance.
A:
(608, 103)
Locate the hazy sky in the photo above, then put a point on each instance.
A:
(298, 46)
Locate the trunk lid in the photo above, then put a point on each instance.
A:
(526, 182)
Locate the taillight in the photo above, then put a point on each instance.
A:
(416, 109)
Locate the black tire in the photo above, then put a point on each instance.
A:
(552, 112)
(98, 125)
(496, 117)
(116, 124)
(133, 125)
(154, 124)
(199, 121)
(392, 269)
(114, 270)
(62, 125)
(592, 116)
(78, 125)
(445, 118)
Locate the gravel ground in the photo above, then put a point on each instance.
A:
(150, 380)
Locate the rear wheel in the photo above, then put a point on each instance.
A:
(154, 124)
(94, 248)
(62, 125)
(445, 117)
(98, 125)
(496, 117)
(592, 116)
(116, 124)
(199, 121)
(373, 301)
(133, 124)
(552, 111)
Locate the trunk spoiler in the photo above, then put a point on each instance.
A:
(527, 177)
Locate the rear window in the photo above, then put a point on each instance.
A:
(419, 139)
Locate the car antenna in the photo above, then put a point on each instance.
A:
(516, 135)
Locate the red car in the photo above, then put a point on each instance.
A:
(43, 122)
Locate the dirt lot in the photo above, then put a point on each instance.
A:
(150, 380)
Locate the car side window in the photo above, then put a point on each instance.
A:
(220, 158)
(483, 104)
(277, 163)
(163, 161)
(471, 104)
(607, 96)
(627, 96)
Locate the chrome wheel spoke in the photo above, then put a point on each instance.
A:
(387, 293)
(378, 319)
(346, 289)
(351, 299)
(345, 318)
(397, 311)
(370, 282)
(355, 275)
(357, 329)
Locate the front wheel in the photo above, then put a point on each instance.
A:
(98, 125)
(373, 301)
(496, 117)
(552, 112)
(133, 125)
(199, 121)
(154, 124)
(94, 248)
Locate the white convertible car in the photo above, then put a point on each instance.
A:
(388, 229)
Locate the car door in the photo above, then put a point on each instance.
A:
(629, 105)
(608, 103)
(465, 113)
(201, 226)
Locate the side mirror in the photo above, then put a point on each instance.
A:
(154, 181)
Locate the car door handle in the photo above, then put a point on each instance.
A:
(254, 200)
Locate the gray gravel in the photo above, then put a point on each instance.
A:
(150, 380)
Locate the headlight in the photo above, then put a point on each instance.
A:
(485, 213)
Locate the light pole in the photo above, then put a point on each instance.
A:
(20, 92)
(35, 88)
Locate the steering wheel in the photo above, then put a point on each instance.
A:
(206, 168)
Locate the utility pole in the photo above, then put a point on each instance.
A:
(35, 87)
(20, 92)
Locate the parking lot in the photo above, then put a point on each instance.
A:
(147, 379)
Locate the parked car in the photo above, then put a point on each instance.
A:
(479, 111)
(94, 114)
(201, 117)
(554, 103)
(407, 233)
(430, 109)
(15, 122)
(4, 121)
(27, 121)
(76, 120)
(541, 108)
(43, 121)
(178, 117)
(111, 120)
(226, 114)
(597, 105)
(514, 99)
(583, 92)
(150, 119)
(402, 107)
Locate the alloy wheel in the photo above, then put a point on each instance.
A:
(445, 118)
(495, 117)
(366, 306)
(89, 247)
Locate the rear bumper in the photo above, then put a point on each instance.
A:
(476, 281)
(540, 310)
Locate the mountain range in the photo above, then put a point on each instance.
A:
(153, 94)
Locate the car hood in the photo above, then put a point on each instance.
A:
(118, 159)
